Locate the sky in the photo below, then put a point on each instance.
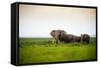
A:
(39, 21)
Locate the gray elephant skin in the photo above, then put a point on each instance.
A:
(70, 38)
(62, 36)
(57, 34)
(85, 38)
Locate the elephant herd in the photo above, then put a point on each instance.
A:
(62, 36)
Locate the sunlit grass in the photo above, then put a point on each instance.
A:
(41, 50)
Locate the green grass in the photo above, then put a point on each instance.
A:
(41, 50)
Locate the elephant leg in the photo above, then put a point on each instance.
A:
(57, 41)
(87, 41)
(53, 41)
(82, 40)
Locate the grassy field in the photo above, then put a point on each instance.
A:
(41, 50)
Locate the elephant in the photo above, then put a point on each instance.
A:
(66, 38)
(57, 34)
(70, 38)
(62, 36)
(76, 38)
(85, 38)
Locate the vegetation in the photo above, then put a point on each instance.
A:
(41, 50)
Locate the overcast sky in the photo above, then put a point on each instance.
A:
(39, 21)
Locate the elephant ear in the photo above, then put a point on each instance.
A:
(52, 32)
(62, 34)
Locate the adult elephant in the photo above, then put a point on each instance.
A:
(57, 34)
(67, 38)
(85, 38)
(76, 38)
(70, 38)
